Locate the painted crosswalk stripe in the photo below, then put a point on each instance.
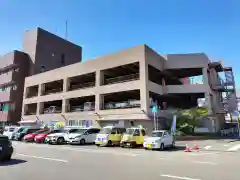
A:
(234, 148)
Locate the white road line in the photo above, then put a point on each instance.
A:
(204, 162)
(226, 145)
(207, 147)
(201, 154)
(178, 177)
(44, 158)
(234, 148)
(85, 150)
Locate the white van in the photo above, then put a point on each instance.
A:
(10, 130)
(83, 136)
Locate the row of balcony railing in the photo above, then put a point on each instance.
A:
(88, 106)
(120, 79)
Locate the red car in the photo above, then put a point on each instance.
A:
(30, 137)
(40, 138)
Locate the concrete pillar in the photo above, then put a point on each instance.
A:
(99, 78)
(65, 105)
(39, 108)
(144, 92)
(41, 89)
(98, 97)
(66, 84)
(205, 75)
(98, 102)
(26, 91)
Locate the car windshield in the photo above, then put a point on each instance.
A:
(24, 130)
(105, 131)
(20, 129)
(11, 129)
(79, 131)
(129, 131)
(157, 134)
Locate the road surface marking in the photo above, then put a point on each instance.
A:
(44, 158)
(86, 150)
(207, 147)
(234, 148)
(226, 145)
(201, 154)
(178, 177)
(204, 162)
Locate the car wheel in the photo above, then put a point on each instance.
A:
(98, 145)
(82, 142)
(162, 147)
(6, 158)
(60, 140)
(110, 143)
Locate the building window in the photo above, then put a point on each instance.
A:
(4, 107)
(43, 69)
(62, 59)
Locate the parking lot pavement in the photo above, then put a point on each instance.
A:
(39, 161)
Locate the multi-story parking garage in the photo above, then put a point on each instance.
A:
(119, 89)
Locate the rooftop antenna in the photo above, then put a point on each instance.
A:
(66, 29)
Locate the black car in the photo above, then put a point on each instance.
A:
(6, 149)
(25, 131)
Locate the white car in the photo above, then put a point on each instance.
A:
(83, 136)
(160, 139)
(10, 131)
(59, 138)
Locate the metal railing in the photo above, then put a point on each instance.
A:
(52, 91)
(30, 113)
(81, 86)
(52, 110)
(33, 94)
(122, 105)
(82, 108)
(231, 132)
(126, 78)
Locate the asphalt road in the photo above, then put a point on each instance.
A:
(46, 162)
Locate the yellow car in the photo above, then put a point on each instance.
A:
(133, 137)
(109, 136)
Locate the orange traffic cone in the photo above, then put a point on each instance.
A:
(187, 149)
(196, 147)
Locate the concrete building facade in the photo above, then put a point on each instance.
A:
(121, 88)
(42, 51)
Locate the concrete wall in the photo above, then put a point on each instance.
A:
(18, 60)
(46, 49)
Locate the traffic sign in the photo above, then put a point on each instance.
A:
(236, 113)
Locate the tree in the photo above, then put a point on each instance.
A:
(190, 118)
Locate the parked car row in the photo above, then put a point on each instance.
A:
(106, 136)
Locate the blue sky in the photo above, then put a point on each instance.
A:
(104, 26)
